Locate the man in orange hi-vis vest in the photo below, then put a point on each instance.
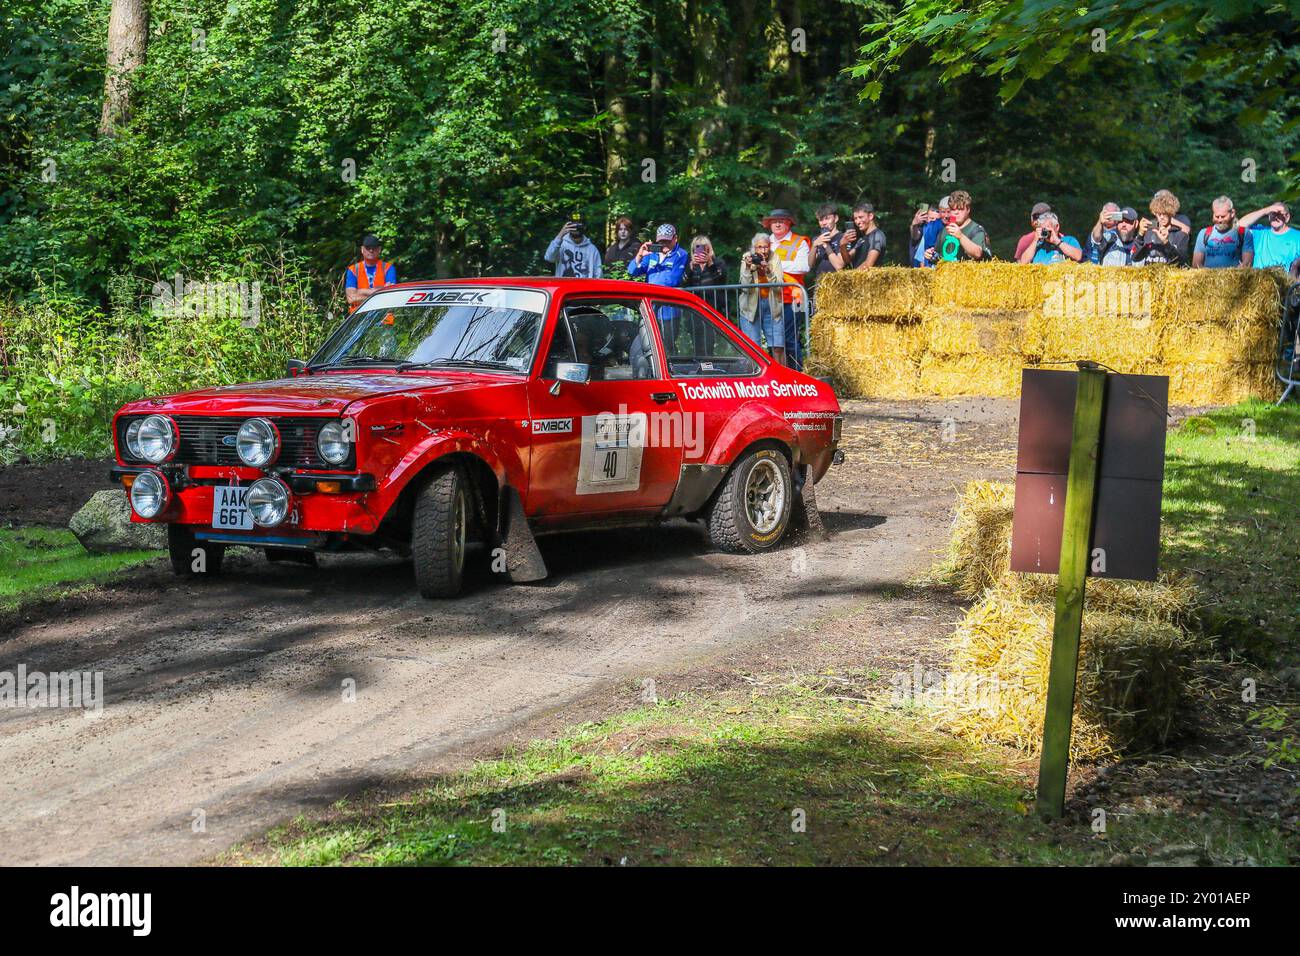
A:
(794, 252)
(369, 274)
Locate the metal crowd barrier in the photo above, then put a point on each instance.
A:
(725, 300)
(1288, 370)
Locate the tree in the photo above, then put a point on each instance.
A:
(128, 38)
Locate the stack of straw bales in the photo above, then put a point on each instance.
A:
(969, 328)
(867, 333)
(1136, 652)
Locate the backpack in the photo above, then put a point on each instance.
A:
(1241, 235)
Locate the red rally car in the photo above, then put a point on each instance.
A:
(440, 414)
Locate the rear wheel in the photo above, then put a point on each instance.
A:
(191, 557)
(438, 533)
(752, 511)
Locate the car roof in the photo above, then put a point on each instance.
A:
(554, 284)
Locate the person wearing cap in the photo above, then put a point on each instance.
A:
(662, 262)
(794, 251)
(926, 226)
(1225, 243)
(1115, 242)
(1049, 246)
(1276, 243)
(1031, 237)
(368, 274)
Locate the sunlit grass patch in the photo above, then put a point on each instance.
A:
(36, 562)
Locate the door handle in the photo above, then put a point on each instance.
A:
(662, 398)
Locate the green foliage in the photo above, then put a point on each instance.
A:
(464, 133)
(1242, 51)
(68, 366)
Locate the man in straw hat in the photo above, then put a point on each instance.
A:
(794, 252)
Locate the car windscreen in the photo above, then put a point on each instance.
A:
(475, 327)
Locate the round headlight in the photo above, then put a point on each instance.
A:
(133, 439)
(268, 502)
(156, 438)
(149, 494)
(258, 442)
(333, 443)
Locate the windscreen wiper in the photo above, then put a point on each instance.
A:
(354, 360)
(466, 363)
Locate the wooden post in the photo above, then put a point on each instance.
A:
(1080, 491)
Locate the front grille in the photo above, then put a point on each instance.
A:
(204, 441)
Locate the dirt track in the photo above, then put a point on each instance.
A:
(228, 697)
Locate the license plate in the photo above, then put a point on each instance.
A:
(230, 509)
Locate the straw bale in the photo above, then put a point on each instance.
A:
(887, 292)
(1133, 674)
(953, 331)
(950, 375)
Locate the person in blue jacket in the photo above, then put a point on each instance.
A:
(662, 262)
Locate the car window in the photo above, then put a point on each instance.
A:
(496, 328)
(610, 335)
(697, 347)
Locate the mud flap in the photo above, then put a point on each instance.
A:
(807, 517)
(523, 558)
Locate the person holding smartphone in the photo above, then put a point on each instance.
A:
(573, 253)
(703, 270)
(863, 242)
(1163, 239)
(706, 269)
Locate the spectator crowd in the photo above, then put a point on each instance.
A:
(779, 272)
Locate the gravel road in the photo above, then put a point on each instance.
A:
(235, 704)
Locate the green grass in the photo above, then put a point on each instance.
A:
(1232, 516)
(44, 562)
(716, 780)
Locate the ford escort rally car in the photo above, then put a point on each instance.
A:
(443, 414)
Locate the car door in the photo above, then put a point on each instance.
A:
(712, 369)
(596, 444)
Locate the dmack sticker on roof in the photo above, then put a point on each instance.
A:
(525, 300)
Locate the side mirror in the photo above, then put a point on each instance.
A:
(296, 367)
(579, 372)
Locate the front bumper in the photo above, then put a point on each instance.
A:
(313, 511)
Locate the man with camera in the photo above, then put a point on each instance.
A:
(573, 253)
(1050, 246)
(1114, 237)
(1276, 244)
(961, 237)
(1031, 237)
(826, 257)
(927, 223)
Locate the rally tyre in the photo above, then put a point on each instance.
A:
(752, 510)
(438, 533)
(190, 557)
